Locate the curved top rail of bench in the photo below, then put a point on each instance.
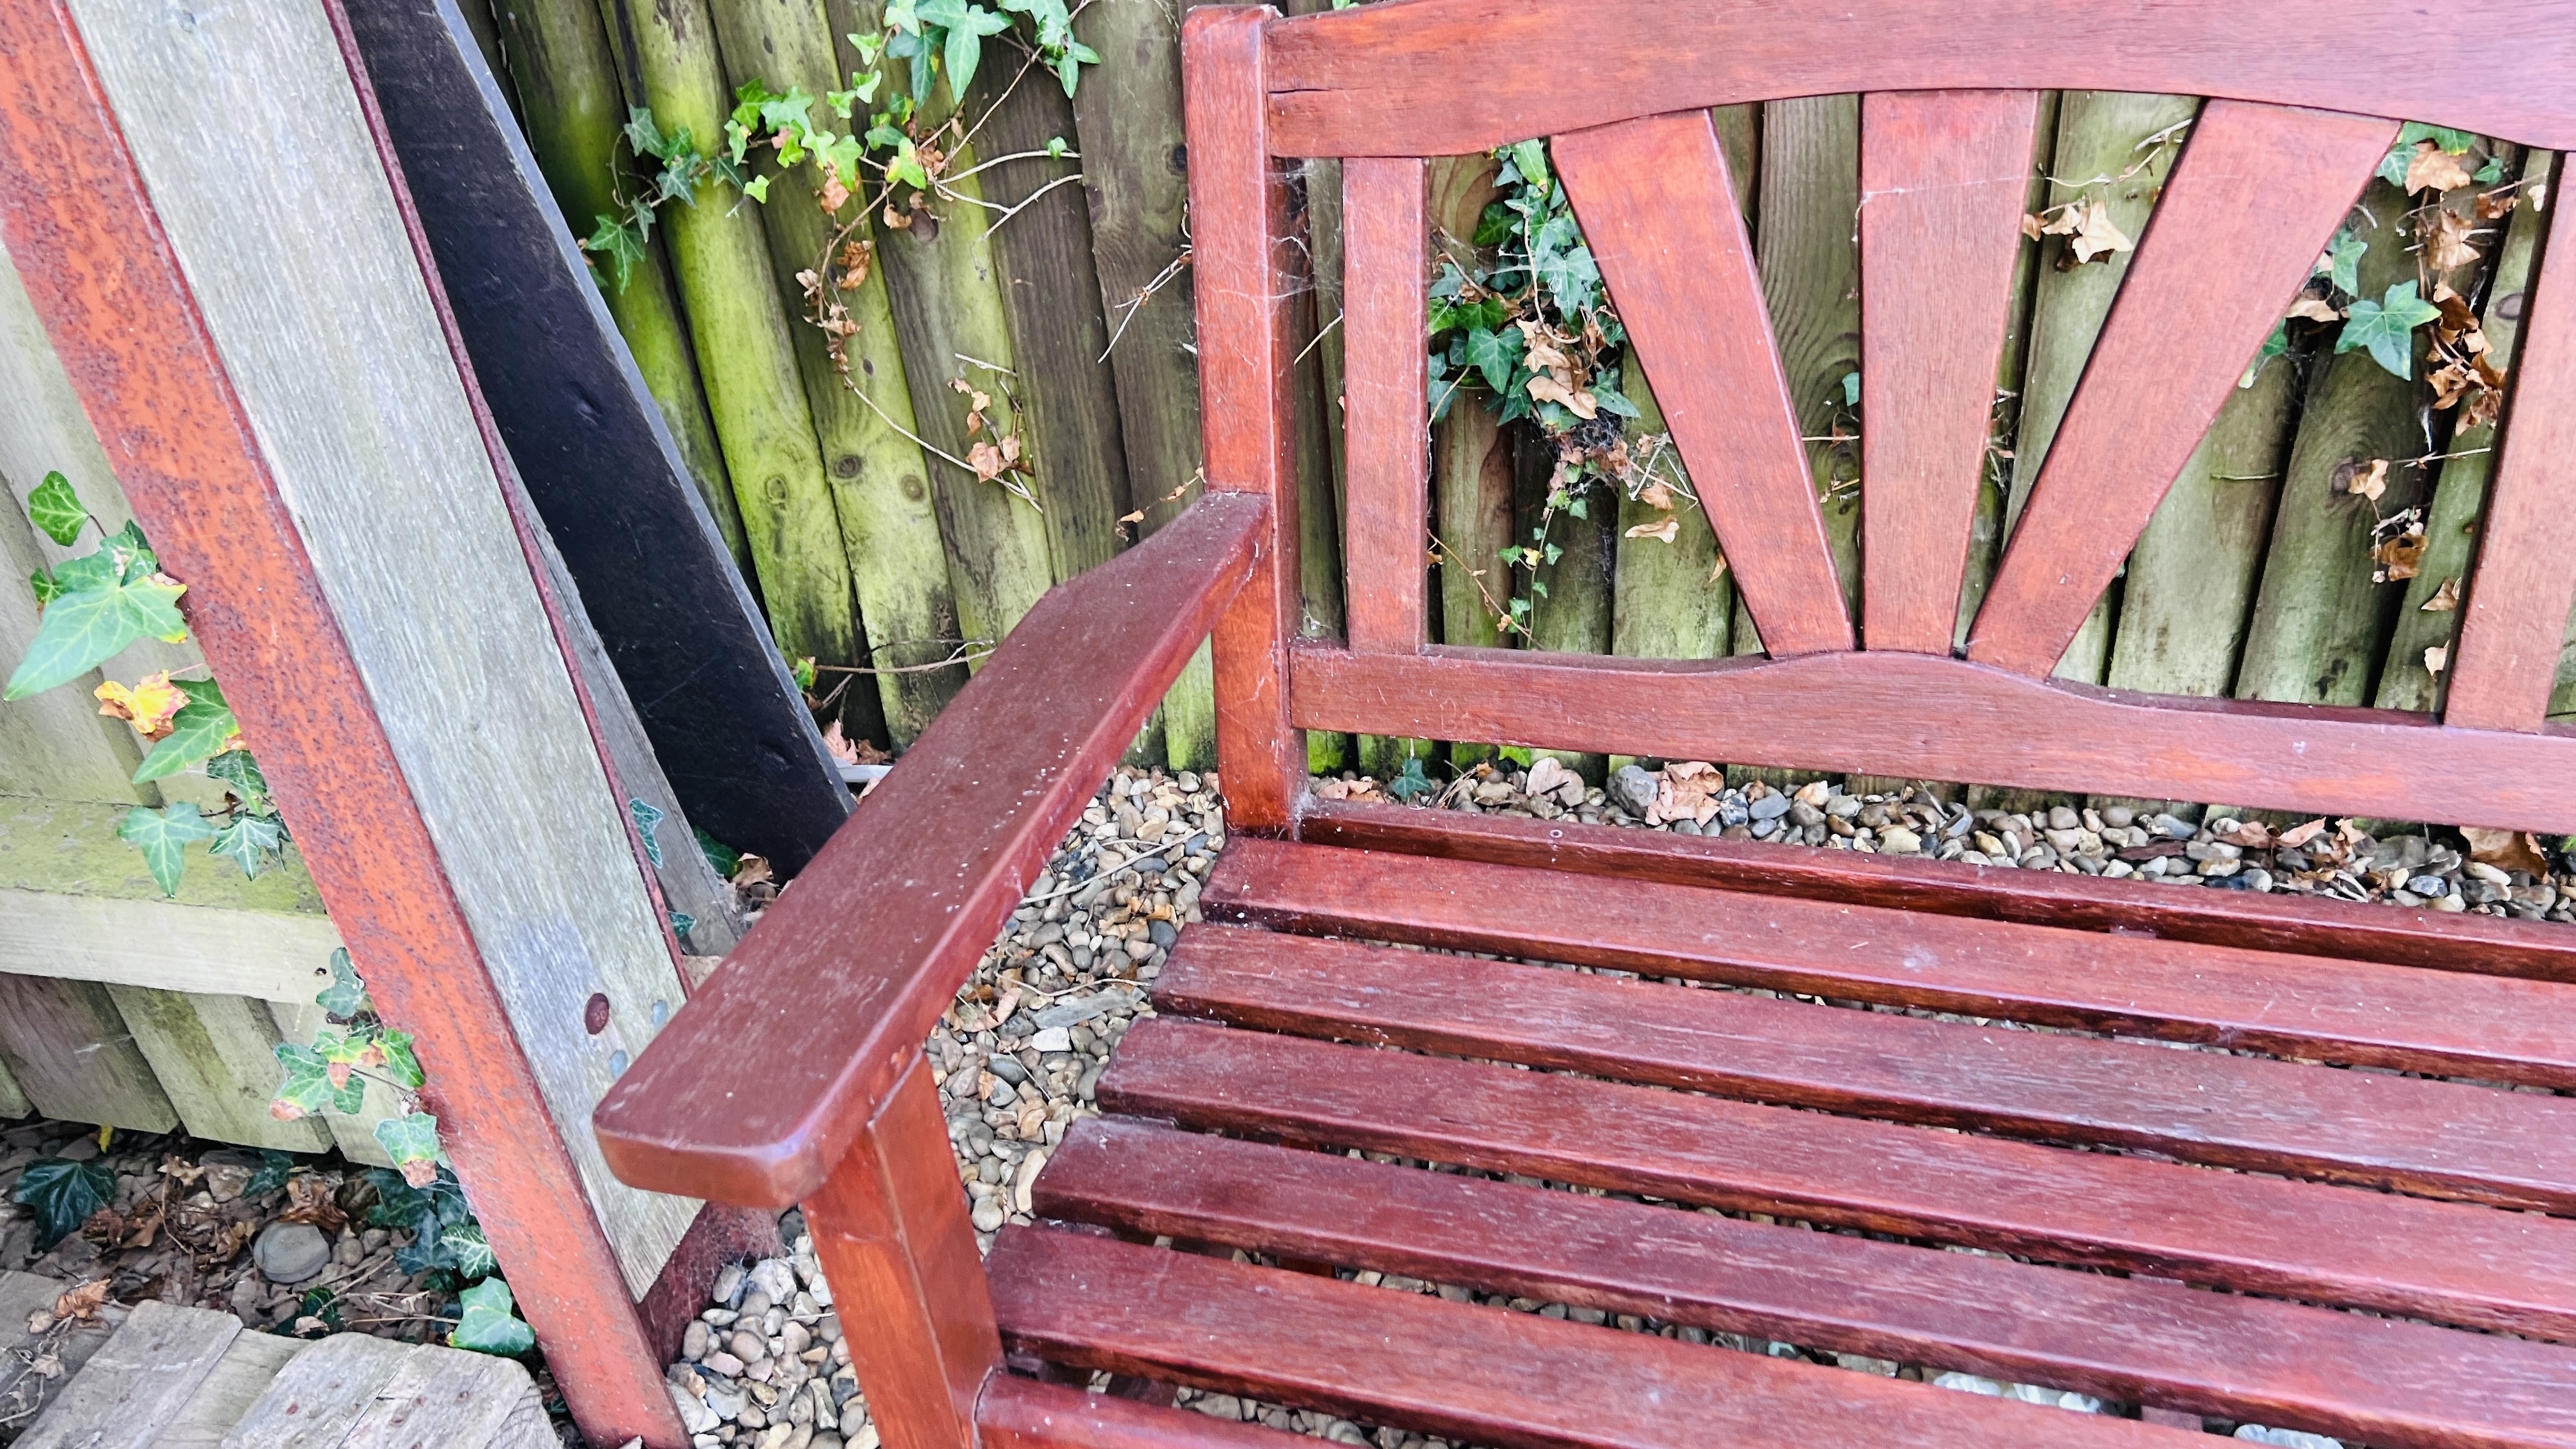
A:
(1386, 80)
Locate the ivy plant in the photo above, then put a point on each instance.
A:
(94, 607)
(330, 1074)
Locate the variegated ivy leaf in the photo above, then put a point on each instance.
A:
(346, 996)
(487, 1324)
(164, 836)
(411, 1140)
(57, 510)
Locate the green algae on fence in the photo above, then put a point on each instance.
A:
(746, 350)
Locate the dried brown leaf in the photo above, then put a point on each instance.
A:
(2446, 599)
(2435, 168)
(2447, 247)
(1663, 532)
(2505, 850)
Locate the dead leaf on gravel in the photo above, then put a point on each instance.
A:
(2299, 835)
(81, 1302)
(2506, 850)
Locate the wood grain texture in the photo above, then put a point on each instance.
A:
(1943, 177)
(2351, 1012)
(2524, 586)
(1386, 402)
(72, 1056)
(1658, 209)
(1915, 716)
(267, 956)
(1238, 229)
(1476, 1375)
(2124, 1339)
(127, 322)
(2369, 931)
(314, 1400)
(216, 1060)
(2252, 203)
(138, 1381)
(1383, 82)
(229, 1391)
(440, 1398)
(2453, 1262)
(891, 1228)
(1018, 1413)
(2433, 1139)
(748, 1100)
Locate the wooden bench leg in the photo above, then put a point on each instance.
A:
(890, 1226)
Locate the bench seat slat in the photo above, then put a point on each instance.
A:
(2355, 1013)
(1478, 1375)
(2394, 1384)
(2452, 1262)
(2436, 1138)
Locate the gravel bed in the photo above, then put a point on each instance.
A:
(2495, 873)
(1019, 1054)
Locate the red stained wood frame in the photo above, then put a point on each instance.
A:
(890, 1226)
(2256, 196)
(1018, 1413)
(1383, 79)
(1658, 208)
(1946, 719)
(1943, 176)
(1245, 267)
(763, 1082)
(112, 298)
(2524, 587)
(2368, 931)
(1386, 416)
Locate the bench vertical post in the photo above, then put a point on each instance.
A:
(890, 1226)
(1240, 249)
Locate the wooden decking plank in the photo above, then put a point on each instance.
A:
(2353, 1012)
(2513, 1149)
(440, 1398)
(1477, 1375)
(22, 1295)
(319, 1394)
(2453, 1262)
(2394, 1384)
(229, 1391)
(138, 1381)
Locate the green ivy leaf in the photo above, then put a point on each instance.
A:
(401, 1065)
(682, 923)
(275, 1168)
(164, 836)
(1851, 389)
(197, 732)
(647, 817)
(464, 1242)
(85, 627)
(723, 857)
(308, 1090)
(1529, 158)
(488, 1325)
(621, 243)
(2449, 140)
(2387, 328)
(239, 773)
(643, 135)
(1412, 782)
(2490, 173)
(57, 510)
(64, 1194)
(2342, 262)
(411, 1140)
(346, 996)
(249, 840)
(424, 1211)
(2273, 346)
(47, 587)
(1495, 353)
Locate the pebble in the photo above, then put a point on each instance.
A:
(2287, 1438)
(291, 1252)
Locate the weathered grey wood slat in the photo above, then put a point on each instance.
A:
(42, 430)
(246, 130)
(237, 1380)
(22, 1295)
(13, 1100)
(319, 1394)
(74, 1058)
(138, 1382)
(441, 1398)
(216, 1058)
(527, 1427)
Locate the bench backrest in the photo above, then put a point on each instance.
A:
(1947, 130)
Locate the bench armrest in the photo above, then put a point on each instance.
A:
(764, 1079)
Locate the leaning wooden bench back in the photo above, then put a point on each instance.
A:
(797, 1073)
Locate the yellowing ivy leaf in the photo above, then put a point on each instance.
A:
(148, 706)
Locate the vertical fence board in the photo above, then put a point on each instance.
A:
(215, 1059)
(73, 1058)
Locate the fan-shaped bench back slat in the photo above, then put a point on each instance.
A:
(1659, 211)
(1943, 176)
(2258, 193)
(1385, 79)
(2525, 583)
(1385, 387)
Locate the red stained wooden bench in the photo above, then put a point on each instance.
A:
(2353, 1220)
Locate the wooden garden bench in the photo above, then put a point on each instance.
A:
(2268, 1233)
